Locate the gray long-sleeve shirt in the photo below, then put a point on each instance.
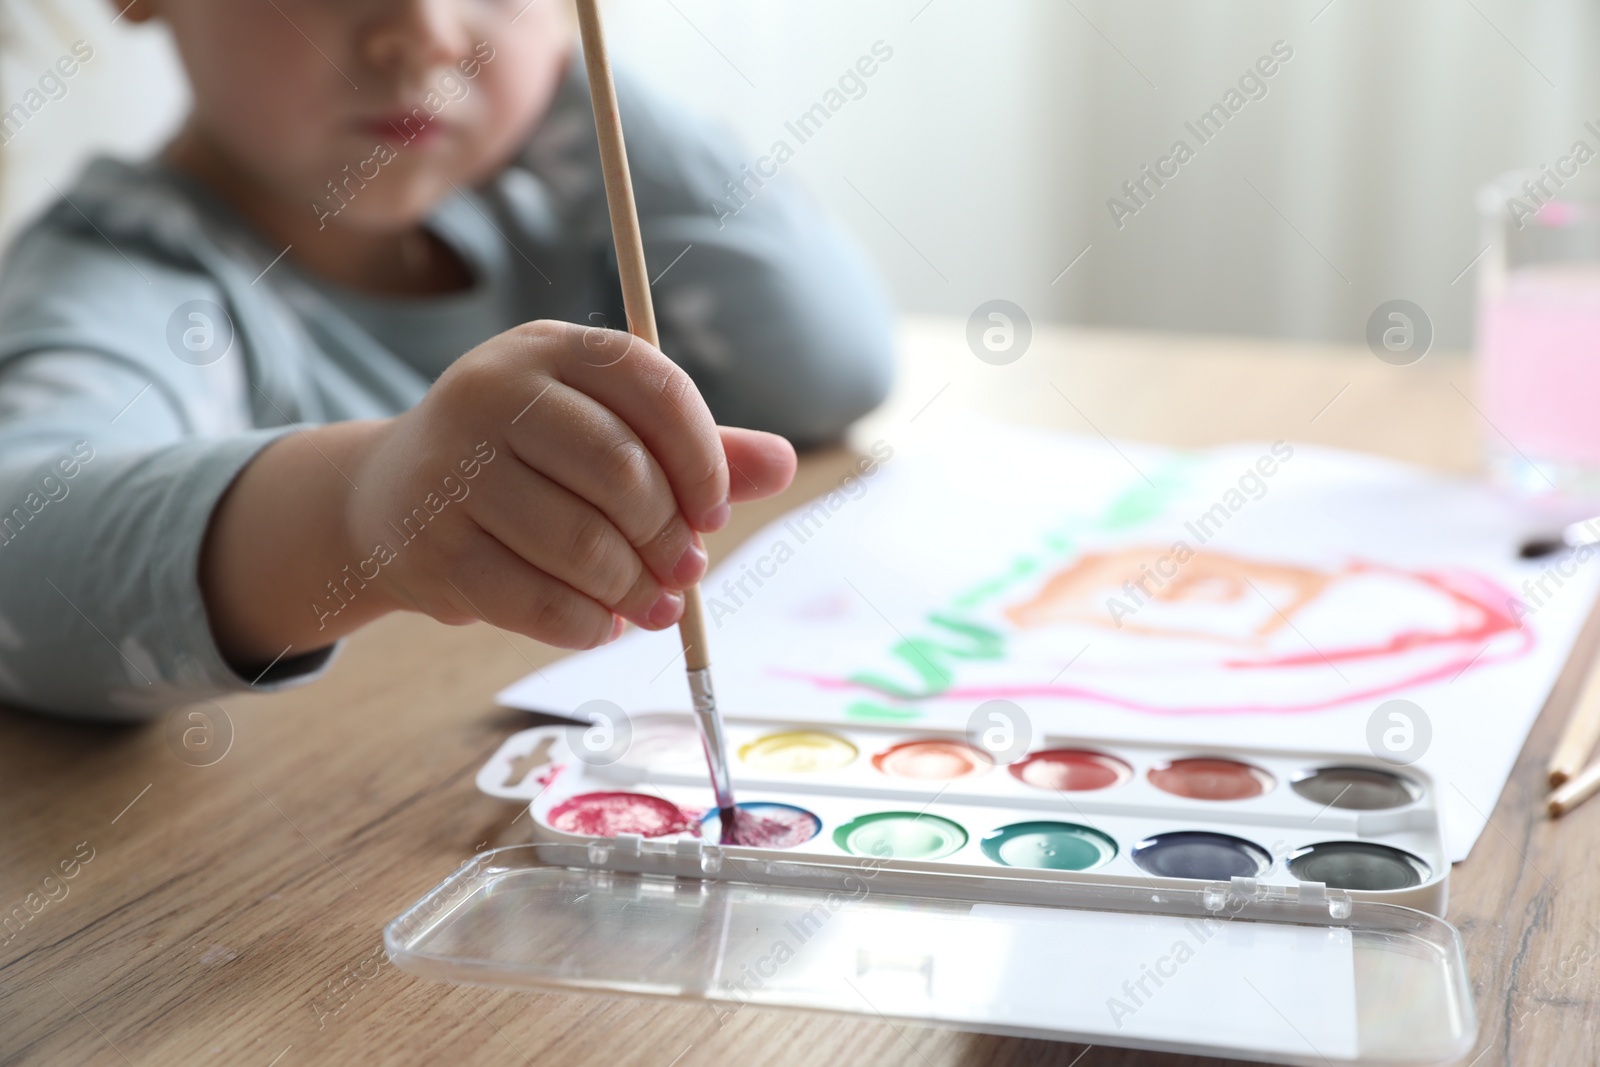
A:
(151, 345)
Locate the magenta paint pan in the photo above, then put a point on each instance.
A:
(1211, 778)
(610, 814)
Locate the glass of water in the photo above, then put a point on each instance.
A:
(1538, 329)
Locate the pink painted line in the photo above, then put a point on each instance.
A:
(1471, 591)
(1064, 692)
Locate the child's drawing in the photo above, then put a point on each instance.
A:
(1208, 633)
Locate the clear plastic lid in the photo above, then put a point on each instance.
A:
(1294, 976)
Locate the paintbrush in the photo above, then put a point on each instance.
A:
(1576, 535)
(642, 323)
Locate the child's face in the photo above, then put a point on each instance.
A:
(300, 93)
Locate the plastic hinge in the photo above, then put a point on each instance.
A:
(1315, 895)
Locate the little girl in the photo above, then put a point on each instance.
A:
(348, 346)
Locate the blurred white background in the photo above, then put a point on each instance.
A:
(979, 161)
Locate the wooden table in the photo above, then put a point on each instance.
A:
(233, 913)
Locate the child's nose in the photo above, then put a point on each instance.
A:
(419, 34)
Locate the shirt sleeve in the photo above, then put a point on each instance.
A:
(106, 499)
(759, 296)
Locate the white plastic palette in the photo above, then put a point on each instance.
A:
(1262, 966)
(1293, 833)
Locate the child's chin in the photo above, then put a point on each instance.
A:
(395, 208)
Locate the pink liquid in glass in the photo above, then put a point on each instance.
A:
(1539, 357)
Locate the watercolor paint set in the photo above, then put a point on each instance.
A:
(1262, 905)
(1140, 814)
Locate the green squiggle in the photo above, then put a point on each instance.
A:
(927, 658)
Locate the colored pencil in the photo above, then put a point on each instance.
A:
(1575, 791)
(1583, 730)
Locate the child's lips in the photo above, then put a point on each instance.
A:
(406, 126)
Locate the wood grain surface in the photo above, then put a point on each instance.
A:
(233, 913)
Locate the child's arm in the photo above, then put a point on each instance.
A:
(107, 478)
(110, 516)
(553, 476)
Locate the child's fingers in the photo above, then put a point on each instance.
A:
(584, 447)
(571, 540)
(759, 464)
(658, 401)
(495, 585)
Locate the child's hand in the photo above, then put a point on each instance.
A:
(553, 482)
(572, 470)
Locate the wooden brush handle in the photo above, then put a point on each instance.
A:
(619, 180)
(630, 257)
